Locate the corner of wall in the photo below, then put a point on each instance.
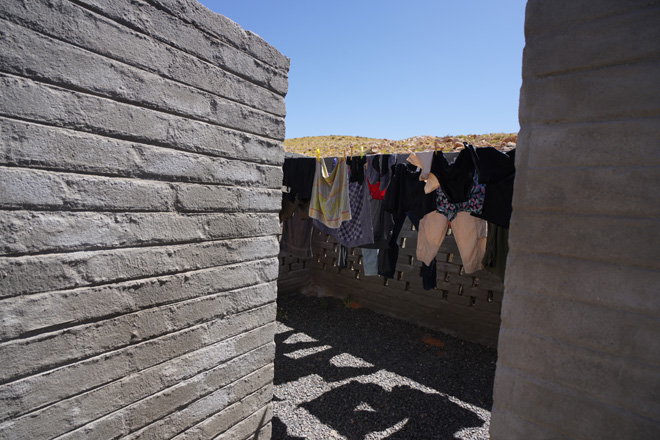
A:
(140, 184)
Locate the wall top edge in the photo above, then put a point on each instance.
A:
(225, 30)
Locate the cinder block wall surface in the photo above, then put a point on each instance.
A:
(463, 305)
(295, 274)
(579, 349)
(140, 173)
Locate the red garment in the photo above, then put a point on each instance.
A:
(375, 191)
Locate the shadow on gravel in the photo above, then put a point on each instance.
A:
(279, 431)
(416, 411)
(457, 369)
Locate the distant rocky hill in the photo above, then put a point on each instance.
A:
(340, 145)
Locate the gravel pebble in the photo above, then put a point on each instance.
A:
(353, 374)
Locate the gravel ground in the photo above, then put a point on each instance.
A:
(353, 374)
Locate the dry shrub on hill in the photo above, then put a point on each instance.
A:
(340, 145)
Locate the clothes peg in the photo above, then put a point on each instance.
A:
(435, 146)
(361, 152)
(318, 155)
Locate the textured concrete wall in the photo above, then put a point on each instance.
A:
(579, 350)
(140, 167)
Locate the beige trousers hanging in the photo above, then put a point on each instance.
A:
(469, 232)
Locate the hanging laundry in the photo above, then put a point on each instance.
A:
(373, 169)
(382, 223)
(423, 161)
(474, 204)
(455, 178)
(370, 262)
(405, 197)
(381, 220)
(342, 257)
(298, 175)
(297, 182)
(296, 237)
(388, 256)
(376, 192)
(406, 193)
(330, 194)
(497, 249)
(290, 206)
(470, 234)
(430, 235)
(372, 214)
(379, 169)
(497, 171)
(387, 163)
(429, 275)
(356, 168)
(357, 231)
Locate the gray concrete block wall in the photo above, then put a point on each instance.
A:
(294, 273)
(140, 173)
(463, 305)
(579, 356)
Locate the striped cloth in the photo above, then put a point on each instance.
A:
(330, 200)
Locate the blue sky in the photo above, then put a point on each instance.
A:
(393, 69)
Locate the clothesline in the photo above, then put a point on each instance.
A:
(364, 204)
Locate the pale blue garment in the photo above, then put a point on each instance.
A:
(370, 262)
